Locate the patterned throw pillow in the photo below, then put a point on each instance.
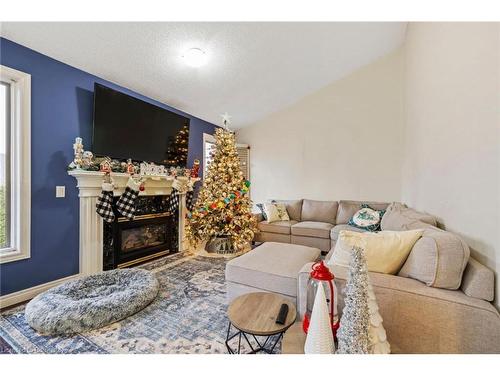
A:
(276, 212)
(367, 218)
(260, 206)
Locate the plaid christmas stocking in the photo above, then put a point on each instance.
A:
(126, 202)
(173, 201)
(104, 205)
(190, 200)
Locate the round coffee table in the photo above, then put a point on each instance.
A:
(254, 314)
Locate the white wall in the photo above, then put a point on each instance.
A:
(452, 158)
(342, 142)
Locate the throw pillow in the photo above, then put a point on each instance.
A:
(385, 251)
(276, 212)
(367, 218)
(260, 206)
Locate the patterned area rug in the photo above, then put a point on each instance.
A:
(188, 316)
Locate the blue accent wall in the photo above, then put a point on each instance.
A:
(61, 109)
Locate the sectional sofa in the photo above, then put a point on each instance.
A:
(439, 302)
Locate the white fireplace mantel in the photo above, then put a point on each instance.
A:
(89, 184)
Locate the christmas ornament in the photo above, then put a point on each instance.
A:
(319, 339)
(353, 334)
(130, 167)
(321, 276)
(105, 165)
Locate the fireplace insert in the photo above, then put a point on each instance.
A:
(145, 237)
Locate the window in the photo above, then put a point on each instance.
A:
(15, 130)
(208, 147)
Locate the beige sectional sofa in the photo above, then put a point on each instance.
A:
(439, 302)
(312, 223)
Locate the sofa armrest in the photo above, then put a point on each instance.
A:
(302, 280)
(478, 281)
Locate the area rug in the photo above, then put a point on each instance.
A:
(188, 316)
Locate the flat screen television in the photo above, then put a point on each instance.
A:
(127, 127)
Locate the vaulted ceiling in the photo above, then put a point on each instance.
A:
(253, 69)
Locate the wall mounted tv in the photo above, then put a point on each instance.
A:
(127, 127)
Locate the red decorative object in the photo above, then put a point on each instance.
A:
(195, 171)
(321, 274)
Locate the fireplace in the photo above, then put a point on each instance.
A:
(141, 239)
(152, 233)
(97, 252)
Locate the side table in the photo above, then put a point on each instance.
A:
(254, 314)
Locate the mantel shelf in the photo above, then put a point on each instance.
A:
(90, 183)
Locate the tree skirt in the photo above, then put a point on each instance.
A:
(92, 302)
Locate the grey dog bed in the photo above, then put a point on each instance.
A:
(92, 301)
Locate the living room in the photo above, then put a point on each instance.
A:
(250, 187)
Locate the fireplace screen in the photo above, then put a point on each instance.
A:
(142, 237)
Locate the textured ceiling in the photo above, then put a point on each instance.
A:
(253, 69)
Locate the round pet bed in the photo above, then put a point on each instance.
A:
(92, 301)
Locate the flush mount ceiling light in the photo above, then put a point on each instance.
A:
(194, 57)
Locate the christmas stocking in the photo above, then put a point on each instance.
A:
(190, 200)
(104, 205)
(173, 201)
(126, 202)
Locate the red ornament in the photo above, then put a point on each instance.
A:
(237, 193)
(141, 187)
(213, 206)
(320, 274)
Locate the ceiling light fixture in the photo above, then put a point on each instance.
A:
(195, 57)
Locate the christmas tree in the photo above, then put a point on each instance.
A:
(223, 207)
(378, 336)
(353, 334)
(176, 154)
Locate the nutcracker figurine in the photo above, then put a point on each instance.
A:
(78, 151)
(195, 171)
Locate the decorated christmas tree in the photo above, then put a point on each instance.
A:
(353, 334)
(176, 154)
(223, 207)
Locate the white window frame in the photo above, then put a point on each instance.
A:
(207, 138)
(20, 165)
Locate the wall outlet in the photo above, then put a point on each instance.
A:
(60, 191)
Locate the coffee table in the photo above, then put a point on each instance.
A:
(254, 314)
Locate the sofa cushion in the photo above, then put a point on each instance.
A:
(400, 217)
(437, 259)
(293, 207)
(280, 227)
(323, 211)
(275, 211)
(367, 218)
(478, 281)
(385, 251)
(334, 233)
(271, 267)
(312, 229)
(348, 208)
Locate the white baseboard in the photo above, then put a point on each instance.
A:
(26, 294)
